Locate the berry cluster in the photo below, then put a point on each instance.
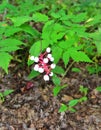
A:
(44, 63)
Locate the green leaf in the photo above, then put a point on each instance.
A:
(36, 7)
(56, 80)
(91, 69)
(18, 21)
(30, 30)
(5, 60)
(57, 53)
(58, 32)
(47, 31)
(98, 45)
(72, 109)
(63, 108)
(79, 17)
(44, 44)
(79, 56)
(10, 45)
(74, 69)
(69, 42)
(33, 74)
(56, 90)
(7, 92)
(1, 97)
(35, 48)
(58, 70)
(66, 57)
(30, 62)
(39, 17)
(83, 89)
(97, 39)
(12, 30)
(55, 36)
(55, 15)
(73, 102)
(83, 99)
(98, 88)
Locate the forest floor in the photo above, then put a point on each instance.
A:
(37, 108)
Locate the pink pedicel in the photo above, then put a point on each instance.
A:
(44, 63)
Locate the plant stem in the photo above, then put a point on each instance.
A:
(68, 68)
(5, 11)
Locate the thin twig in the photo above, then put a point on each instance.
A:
(5, 12)
(68, 68)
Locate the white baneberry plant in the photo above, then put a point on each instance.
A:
(44, 64)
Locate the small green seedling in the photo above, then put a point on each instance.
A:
(70, 106)
(4, 94)
(57, 89)
(83, 90)
(98, 88)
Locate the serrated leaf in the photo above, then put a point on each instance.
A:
(5, 59)
(97, 39)
(58, 70)
(55, 36)
(58, 32)
(68, 43)
(12, 30)
(98, 45)
(39, 17)
(63, 108)
(44, 44)
(57, 53)
(18, 21)
(35, 48)
(9, 48)
(55, 15)
(56, 80)
(66, 57)
(37, 7)
(73, 102)
(33, 74)
(10, 45)
(48, 27)
(79, 56)
(79, 17)
(10, 42)
(30, 30)
(56, 90)
(7, 92)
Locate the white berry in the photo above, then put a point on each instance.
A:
(45, 60)
(36, 59)
(36, 67)
(41, 70)
(51, 59)
(51, 74)
(49, 55)
(53, 66)
(48, 49)
(31, 57)
(46, 77)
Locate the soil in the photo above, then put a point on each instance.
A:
(36, 108)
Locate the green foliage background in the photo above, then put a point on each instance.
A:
(71, 27)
